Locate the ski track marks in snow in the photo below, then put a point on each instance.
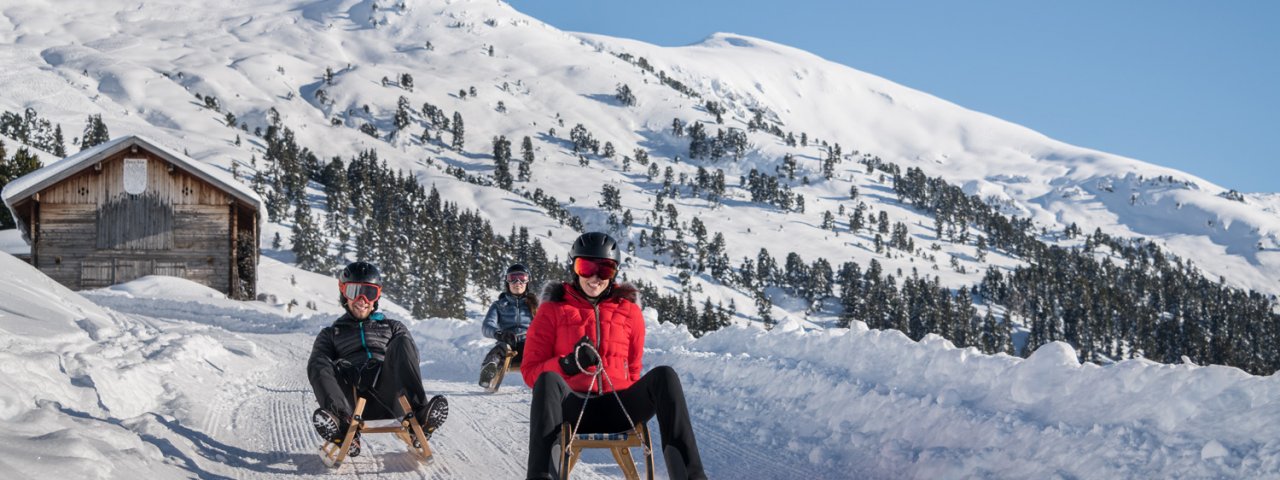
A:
(257, 424)
(269, 412)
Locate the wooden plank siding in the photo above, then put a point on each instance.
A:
(104, 269)
(90, 232)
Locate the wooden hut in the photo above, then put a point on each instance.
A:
(131, 207)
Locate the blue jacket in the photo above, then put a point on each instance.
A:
(511, 313)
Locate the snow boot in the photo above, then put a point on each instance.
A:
(333, 429)
(431, 416)
(487, 373)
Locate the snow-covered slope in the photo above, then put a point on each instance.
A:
(142, 65)
(165, 378)
(161, 378)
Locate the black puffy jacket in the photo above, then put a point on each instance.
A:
(341, 350)
(354, 341)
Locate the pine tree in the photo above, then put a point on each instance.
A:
(766, 268)
(717, 259)
(610, 198)
(6, 219)
(502, 162)
(820, 282)
(308, 243)
(526, 159)
(627, 218)
(402, 119)
(4, 166)
(708, 320)
(856, 221)
(95, 133)
(59, 144)
(625, 96)
(22, 163)
(764, 308)
(337, 200)
(459, 132)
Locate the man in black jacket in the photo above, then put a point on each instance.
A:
(364, 349)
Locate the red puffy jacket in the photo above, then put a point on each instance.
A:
(566, 315)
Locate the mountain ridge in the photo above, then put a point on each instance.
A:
(544, 77)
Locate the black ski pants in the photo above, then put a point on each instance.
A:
(656, 393)
(495, 354)
(380, 383)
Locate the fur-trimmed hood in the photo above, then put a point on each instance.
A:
(555, 292)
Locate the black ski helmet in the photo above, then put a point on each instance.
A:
(595, 245)
(514, 268)
(359, 272)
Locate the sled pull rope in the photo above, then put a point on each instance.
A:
(594, 376)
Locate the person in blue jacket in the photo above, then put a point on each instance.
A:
(508, 320)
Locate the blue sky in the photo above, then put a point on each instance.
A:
(1193, 85)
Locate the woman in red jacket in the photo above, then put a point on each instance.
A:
(593, 311)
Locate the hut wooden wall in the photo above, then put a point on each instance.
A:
(92, 233)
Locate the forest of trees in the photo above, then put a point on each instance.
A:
(428, 248)
(1110, 298)
(1138, 300)
(37, 132)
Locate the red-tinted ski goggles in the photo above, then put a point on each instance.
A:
(354, 291)
(518, 278)
(587, 267)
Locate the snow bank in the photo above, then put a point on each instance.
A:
(876, 403)
(78, 383)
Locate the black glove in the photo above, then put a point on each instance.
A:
(585, 356)
(504, 336)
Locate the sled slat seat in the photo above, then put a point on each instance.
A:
(406, 430)
(619, 444)
(608, 437)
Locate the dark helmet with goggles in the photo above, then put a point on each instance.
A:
(595, 254)
(516, 273)
(360, 279)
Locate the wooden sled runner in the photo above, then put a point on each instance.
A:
(334, 454)
(504, 367)
(620, 444)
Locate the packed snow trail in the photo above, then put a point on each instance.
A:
(162, 378)
(257, 425)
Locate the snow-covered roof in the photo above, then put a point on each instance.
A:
(38, 180)
(55, 172)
